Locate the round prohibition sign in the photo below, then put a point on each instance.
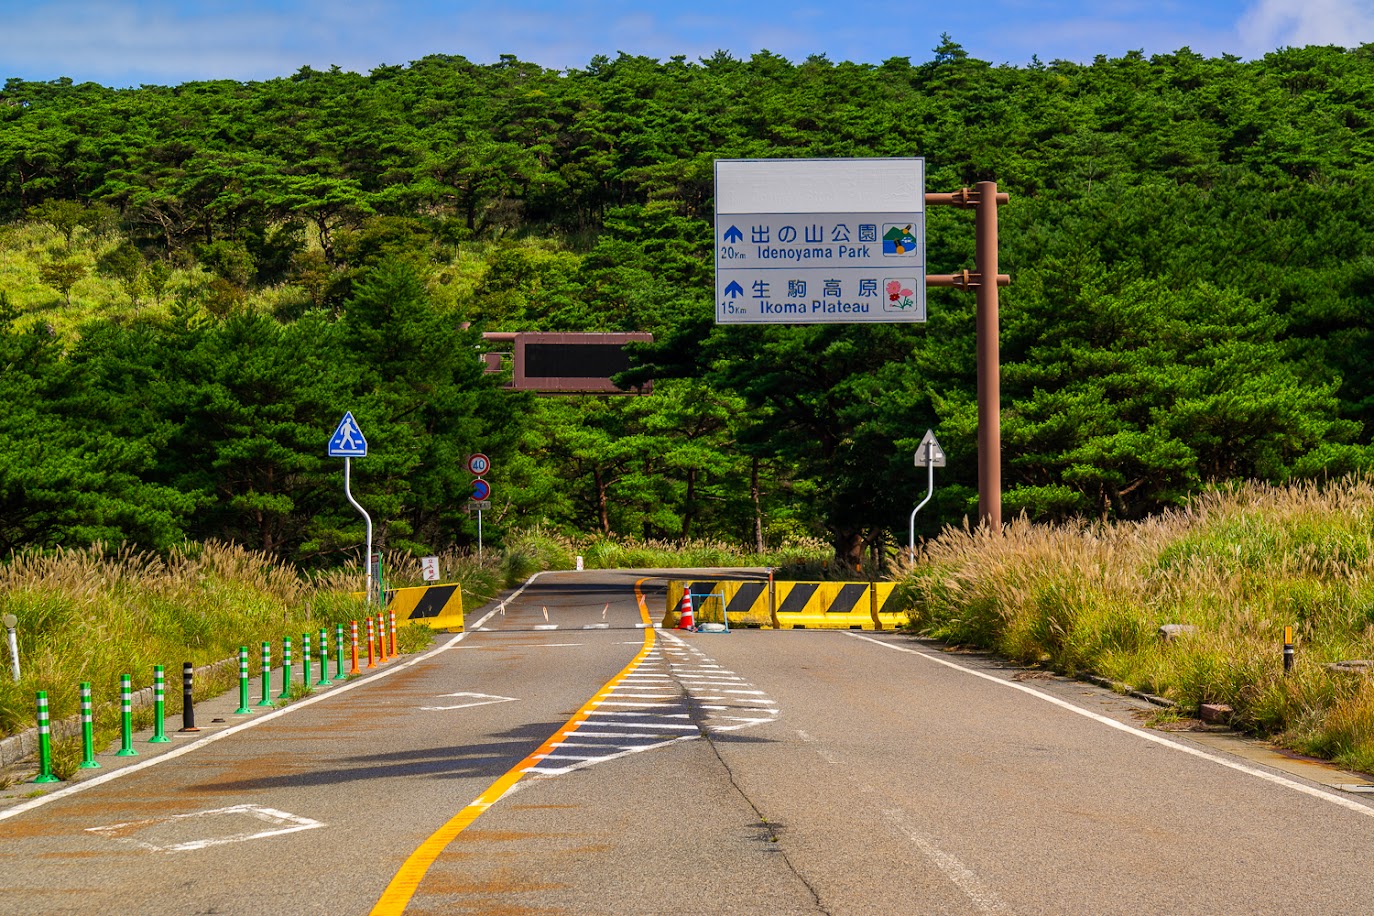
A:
(479, 464)
(481, 490)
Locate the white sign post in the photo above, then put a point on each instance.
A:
(348, 443)
(932, 456)
(11, 622)
(820, 241)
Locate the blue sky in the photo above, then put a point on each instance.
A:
(126, 43)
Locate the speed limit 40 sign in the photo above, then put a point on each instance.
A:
(479, 464)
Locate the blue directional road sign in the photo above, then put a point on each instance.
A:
(820, 241)
(347, 441)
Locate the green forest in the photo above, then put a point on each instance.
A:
(196, 281)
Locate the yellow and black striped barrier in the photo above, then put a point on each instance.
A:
(439, 607)
(789, 605)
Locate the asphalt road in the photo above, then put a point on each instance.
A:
(563, 757)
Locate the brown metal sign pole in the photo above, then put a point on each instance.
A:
(985, 199)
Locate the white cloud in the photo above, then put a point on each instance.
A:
(1271, 24)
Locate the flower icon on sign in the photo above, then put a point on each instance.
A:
(898, 296)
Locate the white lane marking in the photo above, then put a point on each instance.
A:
(641, 733)
(1132, 730)
(632, 728)
(540, 771)
(477, 699)
(546, 626)
(249, 723)
(495, 647)
(982, 896)
(280, 821)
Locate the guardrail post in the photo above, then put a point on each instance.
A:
(126, 716)
(324, 680)
(1287, 649)
(159, 706)
(87, 729)
(44, 741)
(188, 707)
(285, 669)
(266, 675)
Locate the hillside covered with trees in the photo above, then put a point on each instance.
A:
(196, 281)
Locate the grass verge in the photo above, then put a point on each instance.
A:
(1234, 568)
(91, 615)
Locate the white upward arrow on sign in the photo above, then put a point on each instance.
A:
(929, 451)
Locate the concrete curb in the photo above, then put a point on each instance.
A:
(1128, 690)
(20, 747)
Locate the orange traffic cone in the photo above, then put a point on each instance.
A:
(685, 620)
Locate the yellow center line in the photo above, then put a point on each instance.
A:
(407, 879)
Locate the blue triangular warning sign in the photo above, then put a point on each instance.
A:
(347, 441)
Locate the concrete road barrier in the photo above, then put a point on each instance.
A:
(439, 607)
(792, 605)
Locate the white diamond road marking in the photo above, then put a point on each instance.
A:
(475, 699)
(279, 822)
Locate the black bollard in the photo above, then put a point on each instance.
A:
(188, 712)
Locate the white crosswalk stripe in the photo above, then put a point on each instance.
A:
(677, 693)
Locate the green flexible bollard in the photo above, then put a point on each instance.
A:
(266, 675)
(244, 709)
(338, 656)
(285, 669)
(44, 741)
(126, 716)
(87, 730)
(159, 706)
(324, 680)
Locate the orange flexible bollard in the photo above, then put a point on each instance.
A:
(381, 639)
(371, 661)
(394, 651)
(353, 635)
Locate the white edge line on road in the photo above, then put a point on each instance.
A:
(1138, 732)
(267, 717)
